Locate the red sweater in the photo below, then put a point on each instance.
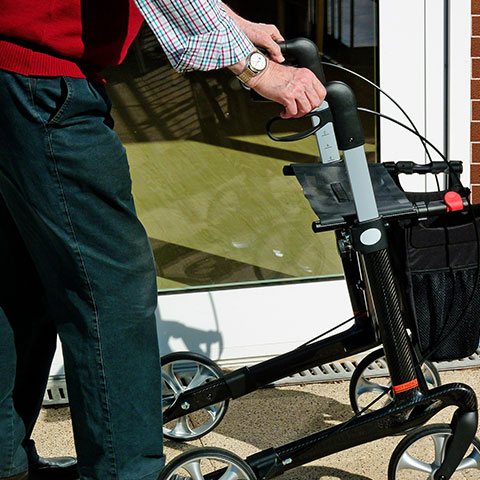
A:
(74, 38)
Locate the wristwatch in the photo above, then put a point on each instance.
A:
(256, 63)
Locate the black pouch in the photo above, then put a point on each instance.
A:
(438, 270)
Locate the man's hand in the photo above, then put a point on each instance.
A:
(297, 89)
(264, 36)
(260, 34)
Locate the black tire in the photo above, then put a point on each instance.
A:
(364, 364)
(439, 431)
(210, 454)
(219, 409)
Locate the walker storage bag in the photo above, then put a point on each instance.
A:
(437, 261)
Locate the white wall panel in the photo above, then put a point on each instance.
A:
(460, 74)
(402, 75)
(241, 325)
(412, 71)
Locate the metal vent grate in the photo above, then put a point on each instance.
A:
(343, 370)
(56, 392)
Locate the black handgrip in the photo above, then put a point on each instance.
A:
(304, 53)
(408, 167)
(343, 104)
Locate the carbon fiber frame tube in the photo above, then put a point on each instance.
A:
(396, 342)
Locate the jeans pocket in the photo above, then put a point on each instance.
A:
(63, 100)
(51, 97)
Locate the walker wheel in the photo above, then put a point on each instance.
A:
(419, 455)
(216, 463)
(364, 390)
(182, 371)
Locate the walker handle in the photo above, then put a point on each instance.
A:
(303, 53)
(299, 52)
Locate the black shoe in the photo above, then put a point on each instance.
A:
(57, 468)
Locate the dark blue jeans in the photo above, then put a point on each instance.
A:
(75, 260)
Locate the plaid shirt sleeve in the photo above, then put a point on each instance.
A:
(196, 34)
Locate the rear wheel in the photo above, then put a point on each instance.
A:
(364, 388)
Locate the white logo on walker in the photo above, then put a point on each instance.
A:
(371, 236)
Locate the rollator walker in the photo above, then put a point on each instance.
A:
(363, 204)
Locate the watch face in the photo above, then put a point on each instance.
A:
(258, 62)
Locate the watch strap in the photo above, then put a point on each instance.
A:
(246, 75)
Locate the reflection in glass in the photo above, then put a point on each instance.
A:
(207, 181)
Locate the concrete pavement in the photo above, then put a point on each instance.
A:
(276, 416)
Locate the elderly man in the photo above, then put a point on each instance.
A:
(76, 260)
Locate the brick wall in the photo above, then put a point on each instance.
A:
(475, 120)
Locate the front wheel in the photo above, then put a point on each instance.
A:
(419, 455)
(182, 371)
(210, 462)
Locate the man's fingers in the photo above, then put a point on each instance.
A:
(303, 106)
(276, 35)
(297, 89)
(319, 89)
(290, 110)
(273, 31)
(314, 99)
(274, 50)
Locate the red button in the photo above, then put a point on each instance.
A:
(453, 201)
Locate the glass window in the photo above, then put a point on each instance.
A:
(207, 181)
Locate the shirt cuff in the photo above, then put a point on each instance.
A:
(219, 48)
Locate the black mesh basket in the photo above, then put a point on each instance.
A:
(437, 262)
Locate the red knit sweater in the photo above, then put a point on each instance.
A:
(75, 38)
